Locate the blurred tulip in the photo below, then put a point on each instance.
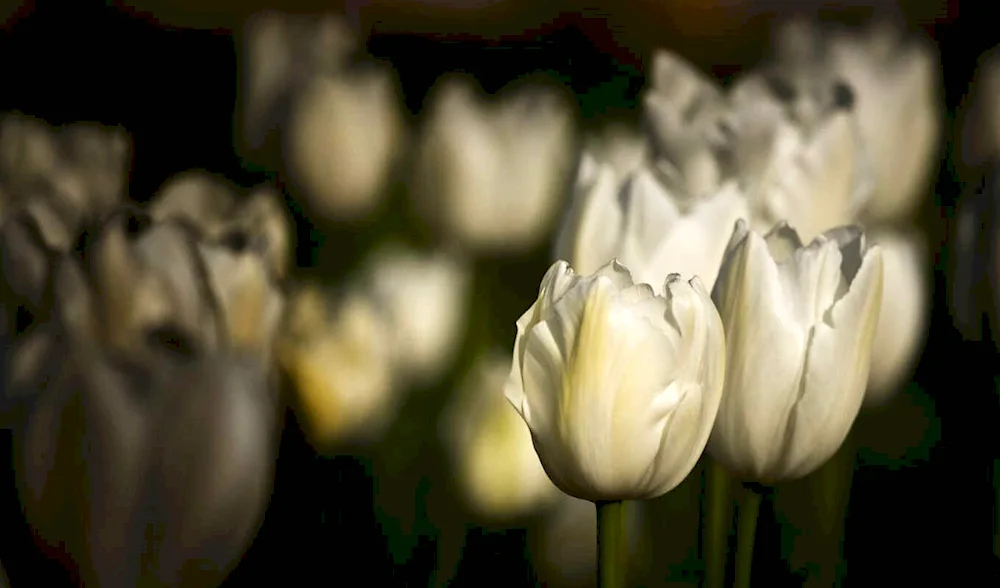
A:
(179, 451)
(800, 323)
(904, 317)
(978, 143)
(340, 363)
(257, 223)
(491, 449)
(54, 181)
(650, 229)
(281, 54)
(343, 137)
(424, 300)
(974, 295)
(492, 174)
(812, 171)
(685, 112)
(623, 148)
(898, 87)
(618, 385)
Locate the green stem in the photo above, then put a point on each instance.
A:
(749, 508)
(611, 550)
(718, 518)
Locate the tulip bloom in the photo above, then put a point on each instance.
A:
(618, 385)
(491, 447)
(491, 174)
(652, 230)
(800, 323)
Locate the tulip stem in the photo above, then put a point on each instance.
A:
(717, 524)
(611, 553)
(749, 508)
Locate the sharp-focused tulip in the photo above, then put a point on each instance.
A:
(492, 175)
(423, 299)
(619, 386)
(340, 365)
(903, 319)
(342, 140)
(491, 449)
(897, 85)
(650, 229)
(800, 321)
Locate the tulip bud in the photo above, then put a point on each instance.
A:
(897, 86)
(399, 280)
(800, 323)
(491, 448)
(281, 53)
(340, 365)
(342, 140)
(652, 230)
(492, 175)
(619, 386)
(905, 313)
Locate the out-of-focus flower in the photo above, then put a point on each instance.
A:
(650, 229)
(257, 222)
(180, 440)
(800, 323)
(899, 108)
(343, 137)
(54, 181)
(340, 362)
(281, 54)
(902, 322)
(491, 448)
(685, 111)
(618, 385)
(974, 295)
(623, 148)
(492, 175)
(979, 140)
(811, 167)
(424, 300)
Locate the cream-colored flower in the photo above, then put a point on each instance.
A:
(903, 320)
(652, 230)
(810, 168)
(424, 299)
(491, 448)
(800, 322)
(340, 364)
(899, 108)
(491, 173)
(618, 385)
(281, 54)
(343, 138)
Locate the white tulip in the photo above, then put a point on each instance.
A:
(652, 230)
(899, 109)
(685, 110)
(800, 323)
(490, 446)
(492, 175)
(810, 168)
(619, 385)
(342, 141)
(903, 320)
(341, 367)
(424, 299)
(281, 53)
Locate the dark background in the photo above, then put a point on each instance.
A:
(923, 515)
